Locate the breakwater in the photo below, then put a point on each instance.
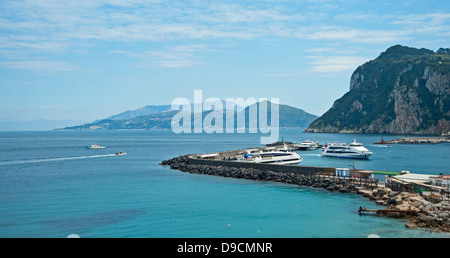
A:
(301, 170)
(417, 140)
(307, 176)
(435, 216)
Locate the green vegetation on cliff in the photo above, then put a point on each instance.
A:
(403, 91)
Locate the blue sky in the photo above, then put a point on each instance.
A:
(86, 59)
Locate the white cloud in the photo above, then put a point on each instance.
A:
(44, 27)
(39, 65)
(54, 107)
(337, 33)
(425, 24)
(155, 20)
(177, 56)
(423, 19)
(343, 51)
(335, 64)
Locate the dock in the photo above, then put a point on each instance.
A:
(416, 140)
(362, 211)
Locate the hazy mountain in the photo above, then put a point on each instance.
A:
(290, 117)
(147, 110)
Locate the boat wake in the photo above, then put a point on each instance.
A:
(16, 162)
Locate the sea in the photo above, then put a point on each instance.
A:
(52, 186)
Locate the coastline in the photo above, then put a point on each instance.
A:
(430, 216)
(417, 140)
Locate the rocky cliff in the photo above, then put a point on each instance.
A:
(403, 91)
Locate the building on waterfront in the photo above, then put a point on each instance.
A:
(342, 172)
(418, 183)
(441, 181)
(380, 175)
(415, 178)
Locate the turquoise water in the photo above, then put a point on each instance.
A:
(51, 186)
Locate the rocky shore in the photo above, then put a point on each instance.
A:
(430, 215)
(434, 216)
(417, 140)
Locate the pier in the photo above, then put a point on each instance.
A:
(417, 140)
(388, 212)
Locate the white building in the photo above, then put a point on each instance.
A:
(414, 178)
(441, 181)
(342, 172)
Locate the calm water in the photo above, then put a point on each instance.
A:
(51, 186)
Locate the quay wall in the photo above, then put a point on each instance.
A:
(303, 170)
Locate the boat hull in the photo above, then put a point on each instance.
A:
(307, 148)
(95, 148)
(277, 158)
(284, 162)
(355, 156)
(354, 150)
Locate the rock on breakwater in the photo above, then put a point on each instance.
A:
(434, 216)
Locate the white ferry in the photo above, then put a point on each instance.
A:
(308, 145)
(354, 150)
(280, 157)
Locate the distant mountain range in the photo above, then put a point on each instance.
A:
(160, 117)
(147, 110)
(403, 91)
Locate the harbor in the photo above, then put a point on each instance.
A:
(212, 200)
(423, 199)
(417, 140)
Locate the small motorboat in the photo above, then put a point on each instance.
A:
(121, 153)
(95, 147)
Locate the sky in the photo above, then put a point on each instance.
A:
(85, 60)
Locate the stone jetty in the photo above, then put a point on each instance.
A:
(417, 140)
(435, 216)
(342, 185)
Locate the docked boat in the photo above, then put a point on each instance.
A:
(308, 145)
(95, 147)
(354, 150)
(121, 153)
(280, 157)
